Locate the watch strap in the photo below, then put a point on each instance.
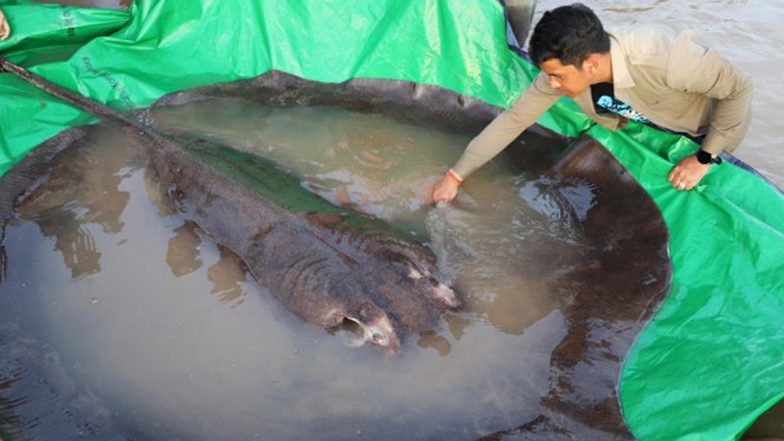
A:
(706, 158)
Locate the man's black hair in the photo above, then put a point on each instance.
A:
(570, 34)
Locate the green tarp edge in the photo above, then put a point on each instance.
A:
(710, 362)
(706, 366)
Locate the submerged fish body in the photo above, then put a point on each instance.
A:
(325, 264)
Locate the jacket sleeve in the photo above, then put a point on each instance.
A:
(507, 126)
(692, 68)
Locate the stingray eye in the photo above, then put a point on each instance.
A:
(377, 338)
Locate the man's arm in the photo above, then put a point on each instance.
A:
(497, 135)
(696, 69)
(5, 28)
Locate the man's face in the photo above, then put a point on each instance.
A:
(567, 79)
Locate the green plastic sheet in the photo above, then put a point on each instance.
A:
(712, 358)
(44, 33)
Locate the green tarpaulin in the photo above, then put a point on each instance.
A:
(711, 360)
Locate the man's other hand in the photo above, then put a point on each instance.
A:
(5, 29)
(688, 173)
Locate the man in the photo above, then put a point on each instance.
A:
(652, 75)
(5, 29)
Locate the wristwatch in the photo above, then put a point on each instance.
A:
(706, 158)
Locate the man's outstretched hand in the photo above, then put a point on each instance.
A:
(688, 173)
(445, 190)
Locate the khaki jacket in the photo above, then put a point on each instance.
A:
(665, 75)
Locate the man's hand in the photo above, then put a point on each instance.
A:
(5, 29)
(688, 173)
(446, 189)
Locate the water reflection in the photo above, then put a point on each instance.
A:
(227, 276)
(76, 196)
(75, 243)
(184, 247)
(183, 250)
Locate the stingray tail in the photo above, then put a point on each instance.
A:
(80, 102)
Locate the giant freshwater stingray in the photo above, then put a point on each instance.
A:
(615, 290)
(325, 264)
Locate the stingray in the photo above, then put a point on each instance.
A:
(624, 271)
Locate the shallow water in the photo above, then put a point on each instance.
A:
(119, 319)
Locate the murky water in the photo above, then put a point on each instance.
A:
(123, 320)
(384, 168)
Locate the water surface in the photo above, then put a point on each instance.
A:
(120, 319)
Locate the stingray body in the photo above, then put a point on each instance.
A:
(327, 265)
(613, 292)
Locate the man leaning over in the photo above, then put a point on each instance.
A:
(653, 75)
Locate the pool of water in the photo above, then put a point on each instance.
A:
(120, 319)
